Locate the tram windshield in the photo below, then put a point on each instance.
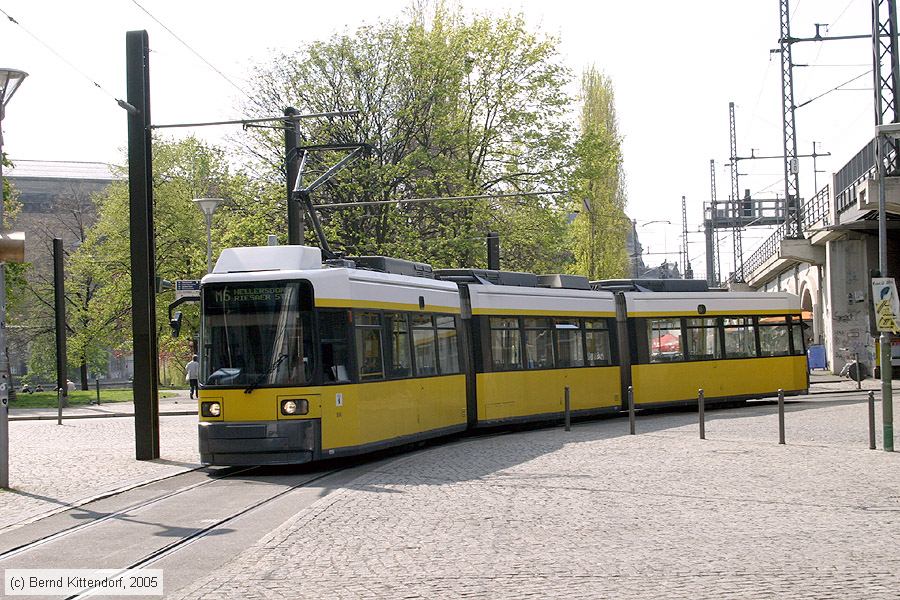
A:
(257, 334)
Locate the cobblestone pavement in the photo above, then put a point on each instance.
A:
(594, 513)
(53, 466)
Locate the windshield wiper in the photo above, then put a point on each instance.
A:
(262, 377)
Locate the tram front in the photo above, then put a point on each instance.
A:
(256, 363)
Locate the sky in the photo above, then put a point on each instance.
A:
(675, 66)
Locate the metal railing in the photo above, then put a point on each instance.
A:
(766, 250)
(814, 211)
(817, 209)
(857, 170)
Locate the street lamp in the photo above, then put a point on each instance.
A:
(10, 80)
(636, 254)
(886, 132)
(208, 206)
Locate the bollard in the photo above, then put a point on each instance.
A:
(871, 420)
(858, 373)
(97, 381)
(701, 409)
(59, 405)
(568, 411)
(780, 416)
(631, 410)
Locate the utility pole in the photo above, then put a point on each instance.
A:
(686, 260)
(635, 252)
(143, 262)
(884, 45)
(715, 217)
(735, 200)
(789, 129)
(292, 168)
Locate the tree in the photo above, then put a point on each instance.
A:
(99, 319)
(450, 107)
(598, 183)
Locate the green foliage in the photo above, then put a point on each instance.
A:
(598, 183)
(450, 107)
(183, 170)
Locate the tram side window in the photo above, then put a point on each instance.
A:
(774, 337)
(703, 339)
(424, 344)
(398, 328)
(448, 345)
(506, 343)
(740, 339)
(333, 344)
(797, 326)
(538, 343)
(569, 350)
(368, 346)
(664, 339)
(596, 340)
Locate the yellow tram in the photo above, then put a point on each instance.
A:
(733, 345)
(302, 361)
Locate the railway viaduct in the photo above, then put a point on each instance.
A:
(829, 265)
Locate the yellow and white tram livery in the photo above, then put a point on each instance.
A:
(532, 337)
(733, 345)
(303, 362)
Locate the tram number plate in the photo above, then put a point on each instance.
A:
(338, 399)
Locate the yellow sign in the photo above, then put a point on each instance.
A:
(887, 323)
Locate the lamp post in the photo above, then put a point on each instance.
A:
(637, 253)
(208, 206)
(883, 134)
(10, 79)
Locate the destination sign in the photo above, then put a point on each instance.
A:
(234, 295)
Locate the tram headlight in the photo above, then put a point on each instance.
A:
(294, 407)
(210, 409)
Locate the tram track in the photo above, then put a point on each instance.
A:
(178, 530)
(179, 544)
(10, 553)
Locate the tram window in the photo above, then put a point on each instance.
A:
(448, 345)
(596, 340)
(423, 342)
(538, 343)
(664, 340)
(569, 350)
(703, 339)
(333, 343)
(740, 339)
(397, 325)
(506, 343)
(797, 330)
(368, 346)
(774, 338)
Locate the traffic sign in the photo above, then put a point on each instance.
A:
(887, 303)
(187, 288)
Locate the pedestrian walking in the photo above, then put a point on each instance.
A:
(192, 375)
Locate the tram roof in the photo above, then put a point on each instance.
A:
(710, 303)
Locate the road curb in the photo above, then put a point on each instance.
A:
(99, 416)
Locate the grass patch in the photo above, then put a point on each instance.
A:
(76, 398)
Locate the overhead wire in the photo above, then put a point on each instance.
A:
(197, 54)
(59, 56)
(835, 88)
